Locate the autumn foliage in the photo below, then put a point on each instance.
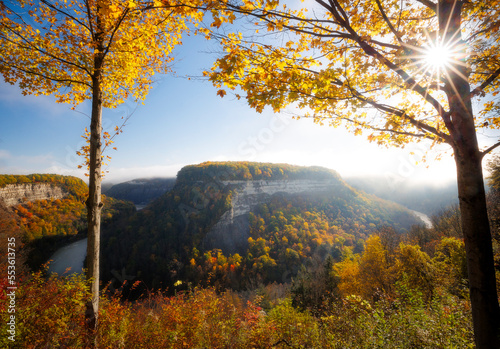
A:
(366, 65)
(166, 241)
(51, 313)
(387, 290)
(104, 51)
(42, 226)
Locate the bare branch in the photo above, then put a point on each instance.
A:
(427, 129)
(488, 150)
(64, 13)
(389, 24)
(117, 25)
(43, 52)
(89, 17)
(486, 83)
(51, 78)
(383, 44)
(325, 5)
(371, 51)
(368, 126)
(379, 129)
(402, 114)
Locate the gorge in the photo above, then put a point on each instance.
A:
(258, 217)
(231, 232)
(274, 216)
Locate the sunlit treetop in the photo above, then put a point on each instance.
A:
(48, 47)
(379, 65)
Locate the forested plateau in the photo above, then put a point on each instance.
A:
(238, 224)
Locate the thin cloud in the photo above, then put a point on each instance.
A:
(4, 154)
(123, 174)
(10, 95)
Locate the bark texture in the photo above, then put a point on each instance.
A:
(479, 252)
(472, 198)
(94, 207)
(94, 203)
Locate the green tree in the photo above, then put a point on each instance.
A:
(103, 51)
(403, 71)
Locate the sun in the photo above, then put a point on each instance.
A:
(437, 56)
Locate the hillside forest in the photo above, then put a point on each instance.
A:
(164, 243)
(343, 269)
(43, 226)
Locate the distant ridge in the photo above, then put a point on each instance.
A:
(141, 191)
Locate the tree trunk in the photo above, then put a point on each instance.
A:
(94, 204)
(479, 252)
(474, 217)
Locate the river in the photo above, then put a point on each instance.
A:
(73, 255)
(70, 256)
(424, 218)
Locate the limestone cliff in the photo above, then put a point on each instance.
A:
(15, 194)
(231, 232)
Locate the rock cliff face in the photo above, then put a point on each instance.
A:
(15, 194)
(231, 232)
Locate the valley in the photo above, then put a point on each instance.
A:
(295, 242)
(46, 212)
(217, 209)
(251, 221)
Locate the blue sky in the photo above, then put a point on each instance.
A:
(184, 122)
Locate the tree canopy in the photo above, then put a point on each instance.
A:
(369, 64)
(48, 47)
